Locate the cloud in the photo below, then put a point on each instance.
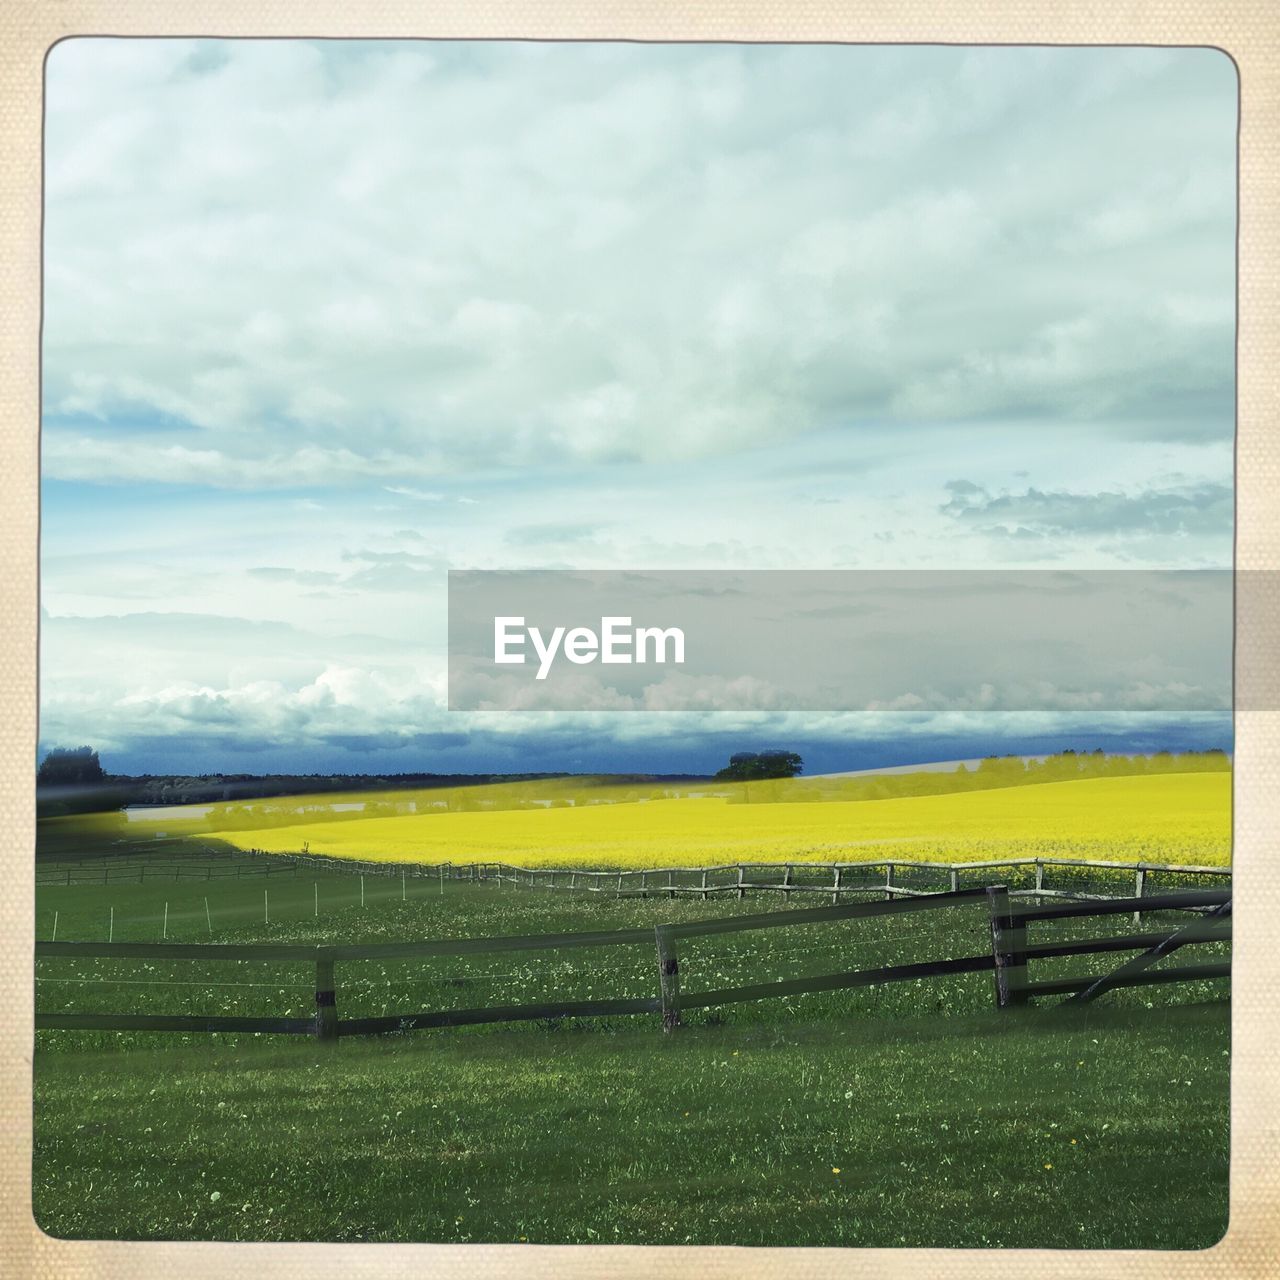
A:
(307, 264)
(1206, 508)
(120, 455)
(401, 559)
(187, 687)
(356, 717)
(418, 495)
(606, 306)
(542, 534)
(303, 577)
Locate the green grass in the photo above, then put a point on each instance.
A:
(939, 1113)
(235, 905)
(1014, 1130)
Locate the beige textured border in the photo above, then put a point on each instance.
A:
(1248, 31)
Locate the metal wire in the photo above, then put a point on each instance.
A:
(177, 982)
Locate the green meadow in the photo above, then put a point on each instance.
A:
(911, 1114)
(971, 1131)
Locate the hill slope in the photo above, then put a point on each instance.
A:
(1177, 818)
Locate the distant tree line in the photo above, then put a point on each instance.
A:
(990, 773)
(72, 780)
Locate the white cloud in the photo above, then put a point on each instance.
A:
(345, 709)
(303, 264)
(598, 306)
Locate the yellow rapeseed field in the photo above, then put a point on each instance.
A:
(1180, 818)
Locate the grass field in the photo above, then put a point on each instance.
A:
(977, 1131)
(1176, 818)
(940, 1115)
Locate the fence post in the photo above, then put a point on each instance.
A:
(1017, 932)
(668, 977)
(704, 884)
(998, 910)
(742, 893)
(326, 1002)
(1008, 950)
(888, 881)
(955, 880)
(671, 882)
(1039, 881)
(1139, 890)
(835, 888)
(786, 884)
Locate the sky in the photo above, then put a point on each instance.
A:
(324, 320)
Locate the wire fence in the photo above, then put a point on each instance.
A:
(1037, 877)
(1074, 878)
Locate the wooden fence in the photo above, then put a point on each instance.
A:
(1071, 878)
(1012, 953)
(892, 879)
(1008, 959)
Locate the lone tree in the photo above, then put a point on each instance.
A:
(750, 766)
(70, 767)
(72, 780)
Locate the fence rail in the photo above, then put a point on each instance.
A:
(894, 879)
(1008, 959)
(1011, 953)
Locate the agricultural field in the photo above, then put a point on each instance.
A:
(1174, 818)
